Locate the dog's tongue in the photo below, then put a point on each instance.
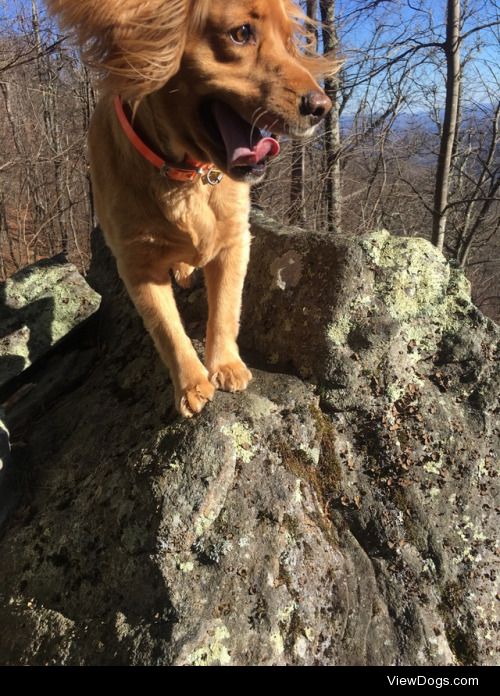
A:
(244, 148)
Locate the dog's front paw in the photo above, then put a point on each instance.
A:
(192, 399)
(231, 377)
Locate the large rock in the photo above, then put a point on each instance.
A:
(348, 519)
(4, 453)
(40, 305)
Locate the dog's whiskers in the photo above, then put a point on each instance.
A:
(270, 128)
(255, 112)
(255, 121)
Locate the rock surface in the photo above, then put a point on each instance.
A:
(345, 519)
(39, 306)
(4, 453)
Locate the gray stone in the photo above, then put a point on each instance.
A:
(40, 305)
(343, 517)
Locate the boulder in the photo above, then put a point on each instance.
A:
(40, 305)
(4, 453)
(340, 511)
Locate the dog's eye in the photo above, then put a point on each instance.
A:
(242, 35)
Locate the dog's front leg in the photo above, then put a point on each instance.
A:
(224, 278)
(149, 285)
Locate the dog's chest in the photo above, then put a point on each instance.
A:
(202, 220)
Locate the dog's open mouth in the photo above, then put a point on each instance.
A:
(247, 149)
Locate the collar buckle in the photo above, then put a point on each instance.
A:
(213, 177)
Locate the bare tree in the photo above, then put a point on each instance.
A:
(451, 48)
(332, 178)
(297, 215)
(45, 104)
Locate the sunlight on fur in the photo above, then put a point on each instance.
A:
(205, 89)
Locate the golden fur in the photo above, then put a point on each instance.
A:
(166, 58)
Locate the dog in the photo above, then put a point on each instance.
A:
(191, 91)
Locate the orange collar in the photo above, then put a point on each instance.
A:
(190, 170)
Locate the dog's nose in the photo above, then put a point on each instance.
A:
(315, 104)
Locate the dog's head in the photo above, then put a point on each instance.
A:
(226, 70)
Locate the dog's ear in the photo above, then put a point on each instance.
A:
(303, 43)
(136, 45)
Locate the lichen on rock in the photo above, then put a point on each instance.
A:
(340, 511)
(40, 305)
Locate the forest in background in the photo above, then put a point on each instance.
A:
(411, 144)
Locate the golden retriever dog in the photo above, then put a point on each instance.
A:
(192, 90)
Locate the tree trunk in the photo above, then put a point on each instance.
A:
(333, 183)
(297, 214)
(448, 135)
(88, 106)
(49, 87)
